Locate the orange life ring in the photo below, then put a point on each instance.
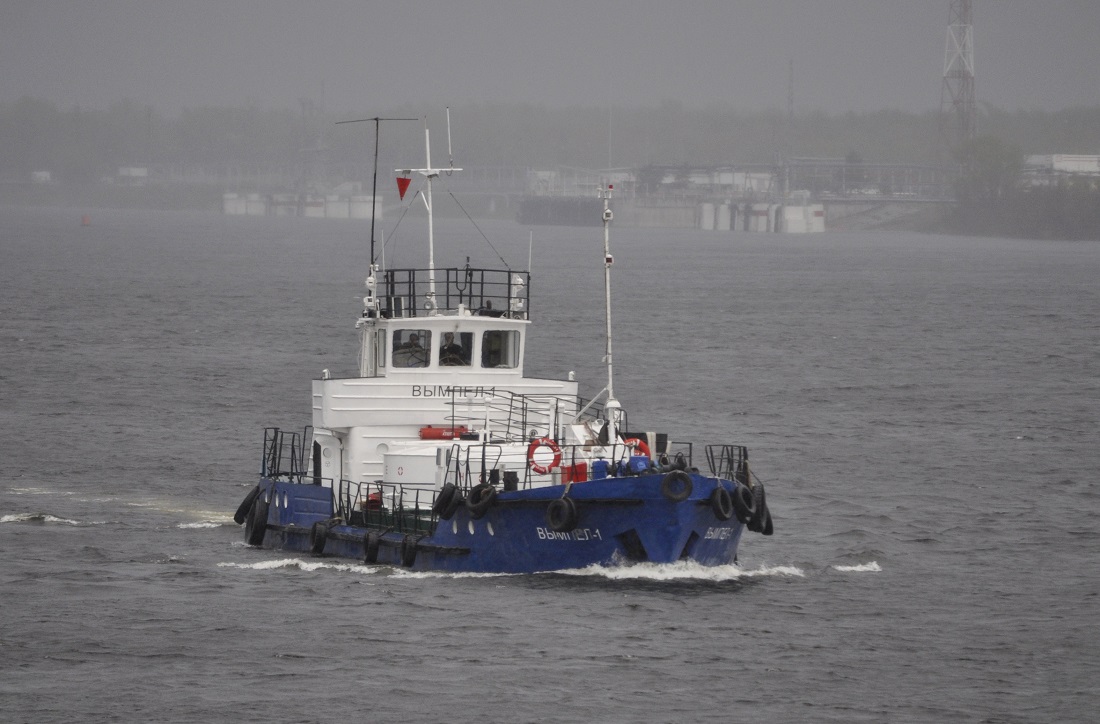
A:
(538, 468)
(640, 447)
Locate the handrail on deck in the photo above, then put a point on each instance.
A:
(512, 416)
(284, 454)
(490, 292)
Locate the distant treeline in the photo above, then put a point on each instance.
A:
(995, 199)
(78, 144)
(1063, 210)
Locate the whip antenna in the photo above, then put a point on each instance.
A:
(374, 188)
(450, 156)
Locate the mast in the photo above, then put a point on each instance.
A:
(431, 173)
(431, 224)
(612, 405)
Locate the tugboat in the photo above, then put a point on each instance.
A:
(441, 455)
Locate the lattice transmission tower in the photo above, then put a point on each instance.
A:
(957, 116)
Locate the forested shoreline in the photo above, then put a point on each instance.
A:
(81, 146)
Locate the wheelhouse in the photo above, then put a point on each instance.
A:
(437, 350)
(473, 320)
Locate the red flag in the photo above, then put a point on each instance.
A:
(403, 186)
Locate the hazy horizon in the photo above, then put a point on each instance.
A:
(847, 55)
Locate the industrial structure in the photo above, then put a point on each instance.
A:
(792, 194)
(957, 113)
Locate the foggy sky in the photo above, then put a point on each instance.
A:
(371, 55)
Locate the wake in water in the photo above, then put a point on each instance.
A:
(38, 491)
(681, 571)
(303, 565)
(678, 572)
(42, 518)
(200, 517)
(872, 567)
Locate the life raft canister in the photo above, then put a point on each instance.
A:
(537, 467)
(429, 432)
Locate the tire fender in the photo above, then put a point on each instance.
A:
(318, 535)
(444, 499)
(408, 551)
(561, 515)
(481, 498)
(256, 526)
(246, 505)
(744, 503)
(676, 486)
(370, 547)
(721, 502)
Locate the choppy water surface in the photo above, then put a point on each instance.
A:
(923, 409)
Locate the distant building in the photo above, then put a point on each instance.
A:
(133, 175)
(1045, 169)
(724, 181)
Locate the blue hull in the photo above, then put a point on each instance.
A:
(618, 521)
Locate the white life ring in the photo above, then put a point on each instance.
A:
(638, 445)
(539, 468)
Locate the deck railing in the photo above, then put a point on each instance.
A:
(490, 292)
(284, 454)
(511, 416)
(386, 506)
(730, 462)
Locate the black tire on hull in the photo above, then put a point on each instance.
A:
(444, 500)
(408, 551)
(744, 504)
(257, 522)
(722, 503)
(318, 535)
(246, 505)
(452, 507)
(370, 547)
(561, 515)
(676, 486)
(481, 498)
(760, 504)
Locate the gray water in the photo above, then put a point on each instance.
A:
(923, 409)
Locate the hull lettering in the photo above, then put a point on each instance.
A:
(577, 534)
(452, 391)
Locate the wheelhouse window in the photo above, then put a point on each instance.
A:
(381, 347)
(412, 347)
(455, 349)
(500, 349)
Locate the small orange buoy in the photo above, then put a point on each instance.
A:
(85, 220)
